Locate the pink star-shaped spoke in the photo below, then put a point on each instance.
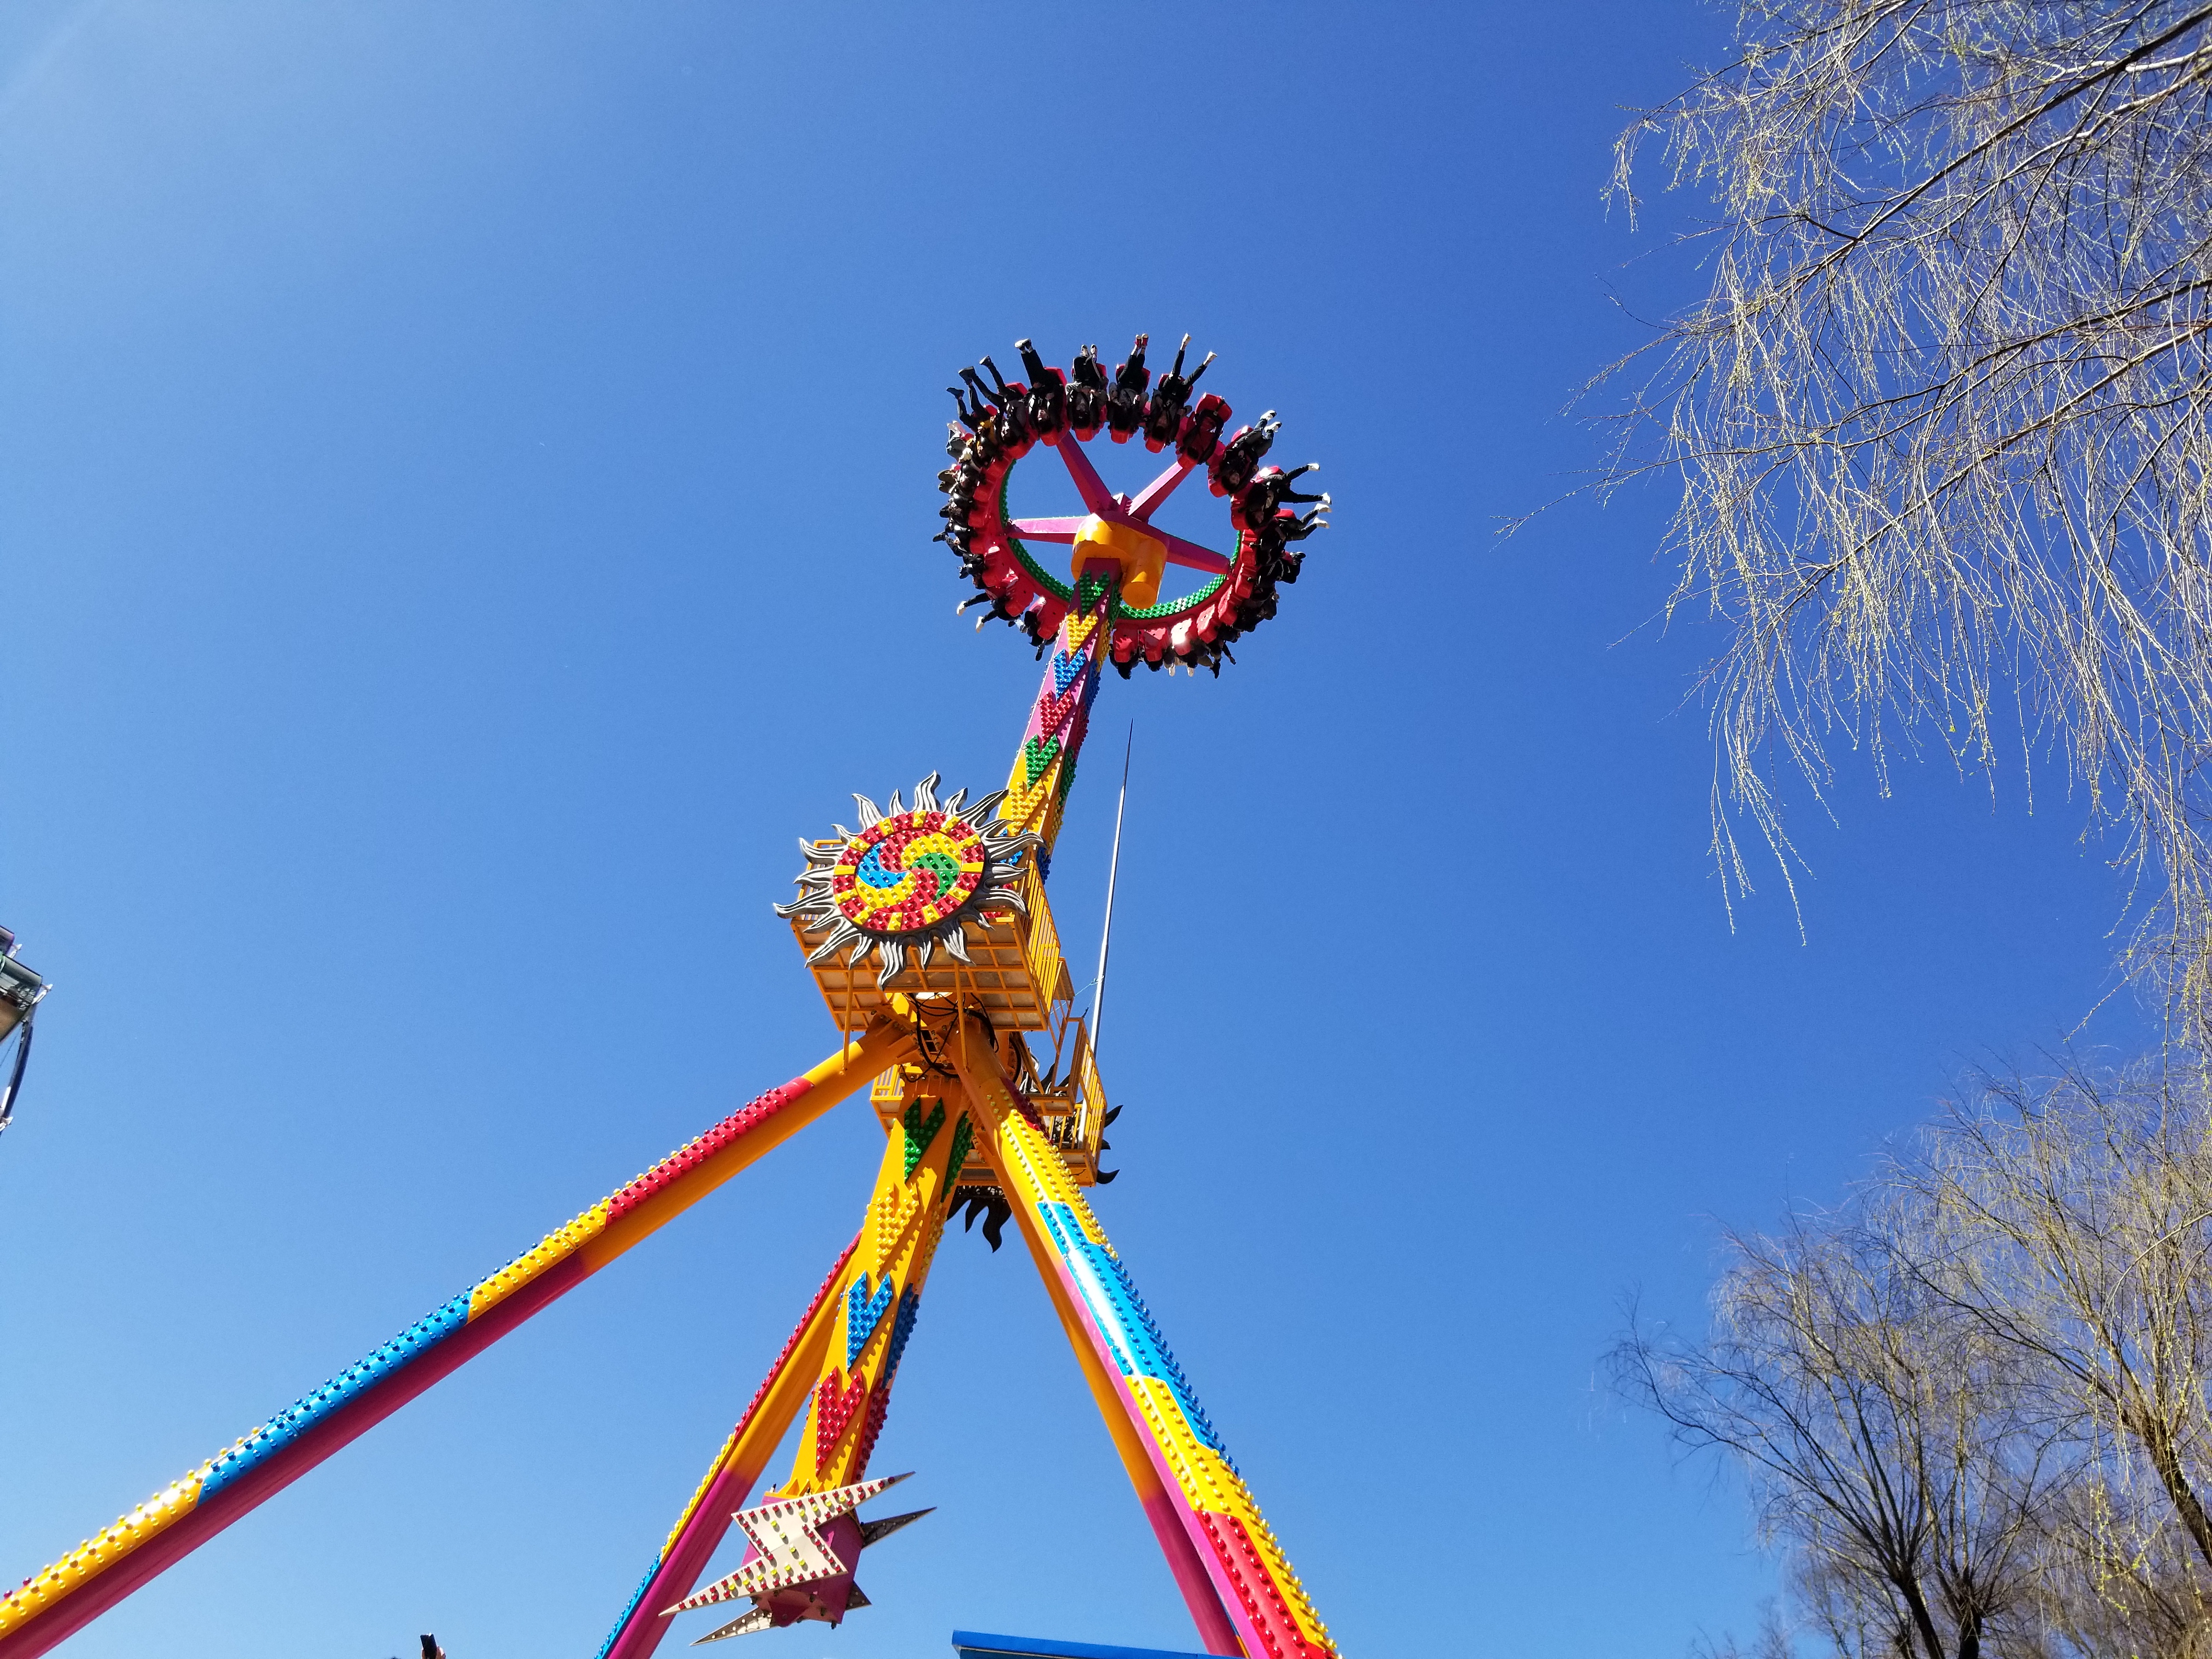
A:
(1121, 509)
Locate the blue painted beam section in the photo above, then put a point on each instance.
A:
(297, 1419)
(1128, 1322)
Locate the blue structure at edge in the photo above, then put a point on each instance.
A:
(984, 1646)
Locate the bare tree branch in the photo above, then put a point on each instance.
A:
(1941, 420)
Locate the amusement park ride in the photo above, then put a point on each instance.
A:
(20, 993)
(926, 928)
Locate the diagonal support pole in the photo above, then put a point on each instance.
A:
(699, 1531)
(1044, 765)
(876, 1301)
(880, 1293)
(55, 1603)
(1243, 1595)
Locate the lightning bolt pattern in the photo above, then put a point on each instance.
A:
(788, 1534)
(697, 1525)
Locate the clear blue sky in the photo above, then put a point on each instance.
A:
(467, 484)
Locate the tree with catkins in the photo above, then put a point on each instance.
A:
(2071, 1219)
(1942, 423)
(1881, 1439)
(1973, 1405)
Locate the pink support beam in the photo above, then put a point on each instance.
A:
(1049, 530)
(1189, 555)
(1088, 484)
(54, 1604)
(777, 1401)
(1149, 498)
(349, 1422)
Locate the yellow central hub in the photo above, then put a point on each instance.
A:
(1142, 557)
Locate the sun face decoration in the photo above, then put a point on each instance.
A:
(908, 878)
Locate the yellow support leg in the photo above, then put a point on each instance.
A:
(1239, 1585)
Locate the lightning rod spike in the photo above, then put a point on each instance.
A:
(1113, 877)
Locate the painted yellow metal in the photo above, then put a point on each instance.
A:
(556, 1247)
(1134, 1458)
(101, 1552)
(1071, 1108)
(884, 1043)
(1014, 974)
(754, 1441)
(888, 1091)
(878, 1296)
(888, 1042)
(1041, 946)
(104, 1568)
(1223, 1553)
(1143, 559)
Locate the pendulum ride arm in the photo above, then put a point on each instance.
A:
(1241, 1593)
(729, 1480)
(1240, 1590)
(1044, 766)
(93, 1577)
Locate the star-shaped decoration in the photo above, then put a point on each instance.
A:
(800, 1560)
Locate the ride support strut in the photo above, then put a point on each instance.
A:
(55, 1603)
(1240, 1589)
